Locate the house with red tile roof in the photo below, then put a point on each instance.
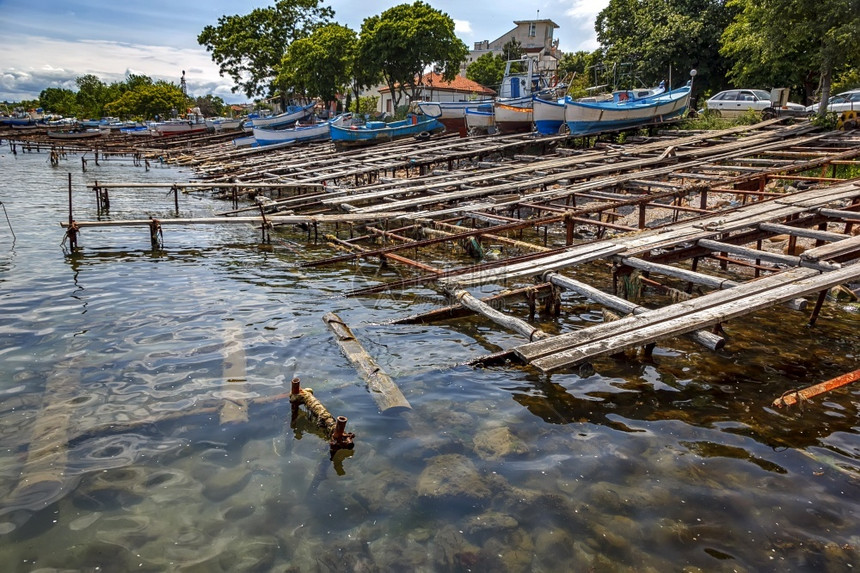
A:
(434, 88)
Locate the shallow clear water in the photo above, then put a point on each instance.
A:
(113, 359)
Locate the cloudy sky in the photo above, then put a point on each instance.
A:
(49, 43)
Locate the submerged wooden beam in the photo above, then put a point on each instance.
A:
(43, 477)
(382, 388)
(703, 337)
(458, 310)
(509, 322)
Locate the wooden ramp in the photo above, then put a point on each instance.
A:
(637, 330)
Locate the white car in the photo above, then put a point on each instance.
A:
(846, 101)
(734, 103)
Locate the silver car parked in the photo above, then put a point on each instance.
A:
(734, 103)
(846, 101)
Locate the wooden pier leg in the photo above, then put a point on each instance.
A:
(818, 303)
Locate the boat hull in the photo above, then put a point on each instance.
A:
(298, 134)
(285, 119)
(588, 118)
(548, 115)
(513, 118)
(451, 114)
(377, 132)
(88, 134)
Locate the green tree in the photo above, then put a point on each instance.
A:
(249, 48)
(320, 65)
(512, 50)
(794, 42)
(210, 105)
(91, 96)
(488, 70)
(147, 101)
(652, 37)
(59, 100)
(405, 41)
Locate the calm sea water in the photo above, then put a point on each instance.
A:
(112, 457)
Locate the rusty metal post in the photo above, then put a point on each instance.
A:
(155, 232)
(339, 438)
(568, 228)
(175, 190)
(71, 218)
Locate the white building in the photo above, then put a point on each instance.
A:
(536, 39)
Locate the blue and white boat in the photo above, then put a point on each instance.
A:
(300, 133)
(378, 131)
(293, 114)
(482, 119)
(548, 115)
(626, 109)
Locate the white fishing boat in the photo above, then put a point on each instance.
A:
(481, 119)
(451, 114)
(300, 133)
(293, 114)
(548, 115)
(218, 124)
(514, 117)
(626, 109)
(75, 134)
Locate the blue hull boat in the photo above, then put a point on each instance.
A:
(625, 110)
(379, 131)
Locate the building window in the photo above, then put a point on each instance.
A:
(532, 30)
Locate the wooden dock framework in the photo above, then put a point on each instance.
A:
(724, 223)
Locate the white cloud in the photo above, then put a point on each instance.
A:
(462, 27)
(56, 63)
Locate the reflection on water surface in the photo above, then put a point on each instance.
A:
(114, 362)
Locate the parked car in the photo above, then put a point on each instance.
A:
(734, 103)
(846, 101)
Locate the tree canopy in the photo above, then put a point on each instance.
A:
(652, 37)
(487, 70)
(404, 41)
(321, 64)
(250, 48)
(794, 42)
(148, 100)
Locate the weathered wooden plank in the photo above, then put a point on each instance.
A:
(572, 257)
(837, 249)
(707, 339)
(382, 388)
(754, 254)
(840, 214)
(457, 310)
(801, 232)
(530, 352)
(678, 273)
(510, 322)
(274, 219)
(628, 338)
(235, 407)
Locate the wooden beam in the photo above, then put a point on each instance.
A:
(382, 388)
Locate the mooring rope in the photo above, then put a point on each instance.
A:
(14, 238)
